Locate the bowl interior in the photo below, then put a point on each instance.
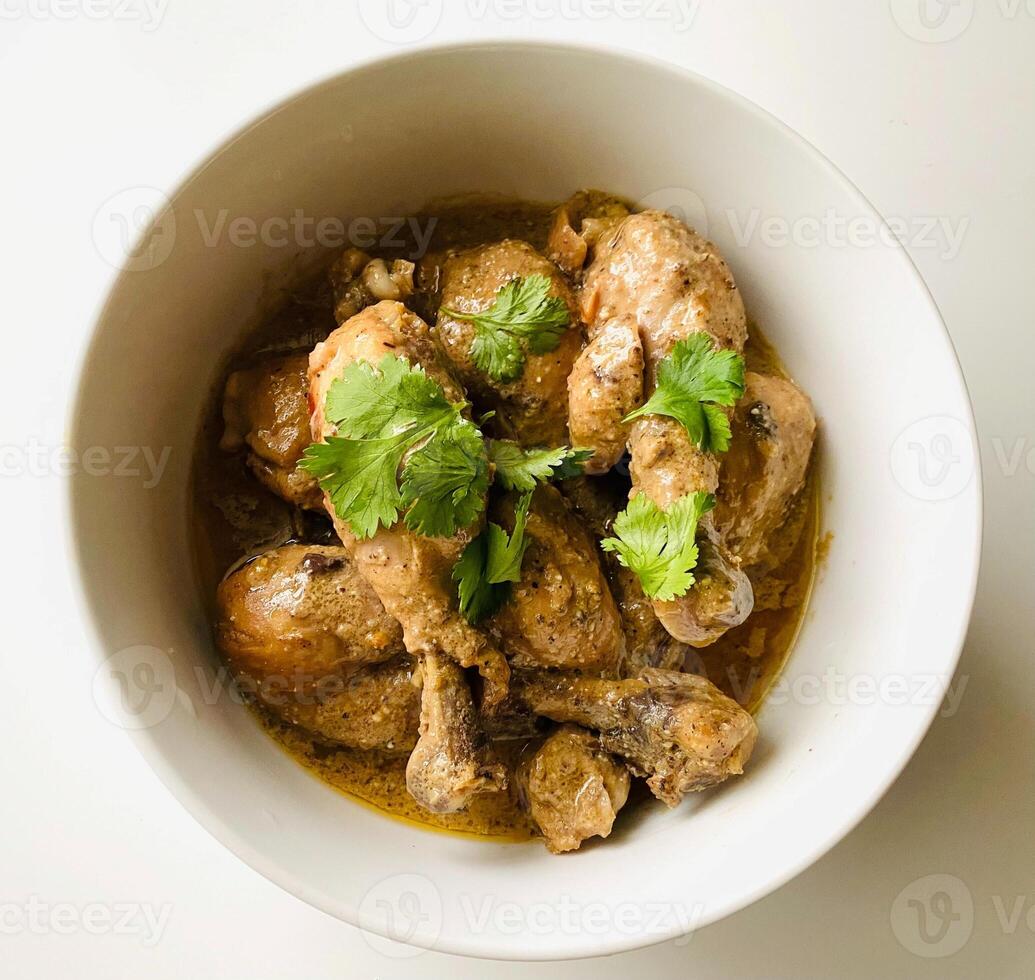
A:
(854, 325)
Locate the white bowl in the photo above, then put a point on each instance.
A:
(855, 325)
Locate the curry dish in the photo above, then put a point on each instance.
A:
(509, 530)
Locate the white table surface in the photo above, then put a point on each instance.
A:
(102, 95)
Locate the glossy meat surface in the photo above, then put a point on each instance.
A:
(533, 408)
(303, 612)
(672, 283)
(453, 759)
(409, 572)
(774, 429)
(676, 729)
(561, 613)
(572, 788)
(605, 385)
(266, 412)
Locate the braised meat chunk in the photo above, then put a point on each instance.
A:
(673, 283)
(531, 408)
(676, 729)
(774, 428)
(266, 413)
(409, 572)
(605, 385)
(561, 613)
(304, 612)
(572, 788)
(453, 759)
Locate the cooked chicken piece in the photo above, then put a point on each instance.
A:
(265, 411)
(670, 279)
(678, 730)
(533, 408)
(674, 283)
(377, 707)
(305, 634)
(572, 788)
(301, 613)
(595, 214)
(647, 643)
(409, 572)
(358, 281)
(604, 386)
(453, 759)
(774, 428)
(561, 613)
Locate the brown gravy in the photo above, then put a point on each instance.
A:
(233, 516)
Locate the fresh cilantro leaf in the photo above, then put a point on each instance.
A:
(360, 477)
(520, 469)
(693, 381)
(368, 403)
(573, 464)
(490, 564)
(523, 310)
(382, 414)
(478, 599)
(659, 546)
(445, 481)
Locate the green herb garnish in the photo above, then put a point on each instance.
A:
(693, 382)
(520, 469)
(660, 546)
(522, 314)
(382, 414)
(490, 564)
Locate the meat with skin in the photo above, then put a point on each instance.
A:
(572, 788)
(673, 283)
(605, 385)
(533, 408)
(561, 613)
(410, 573)
(453, 759)
(301, 613)
(265, 410)
(679, 730)
(306, 636)
(376, 707)
(774, 428)
(647, 643)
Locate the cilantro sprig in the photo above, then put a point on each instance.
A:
(693, 382)
(382, 414)
(492, 561)
(523, 314)
(659, 545)
(520, 469)
(490, 564)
